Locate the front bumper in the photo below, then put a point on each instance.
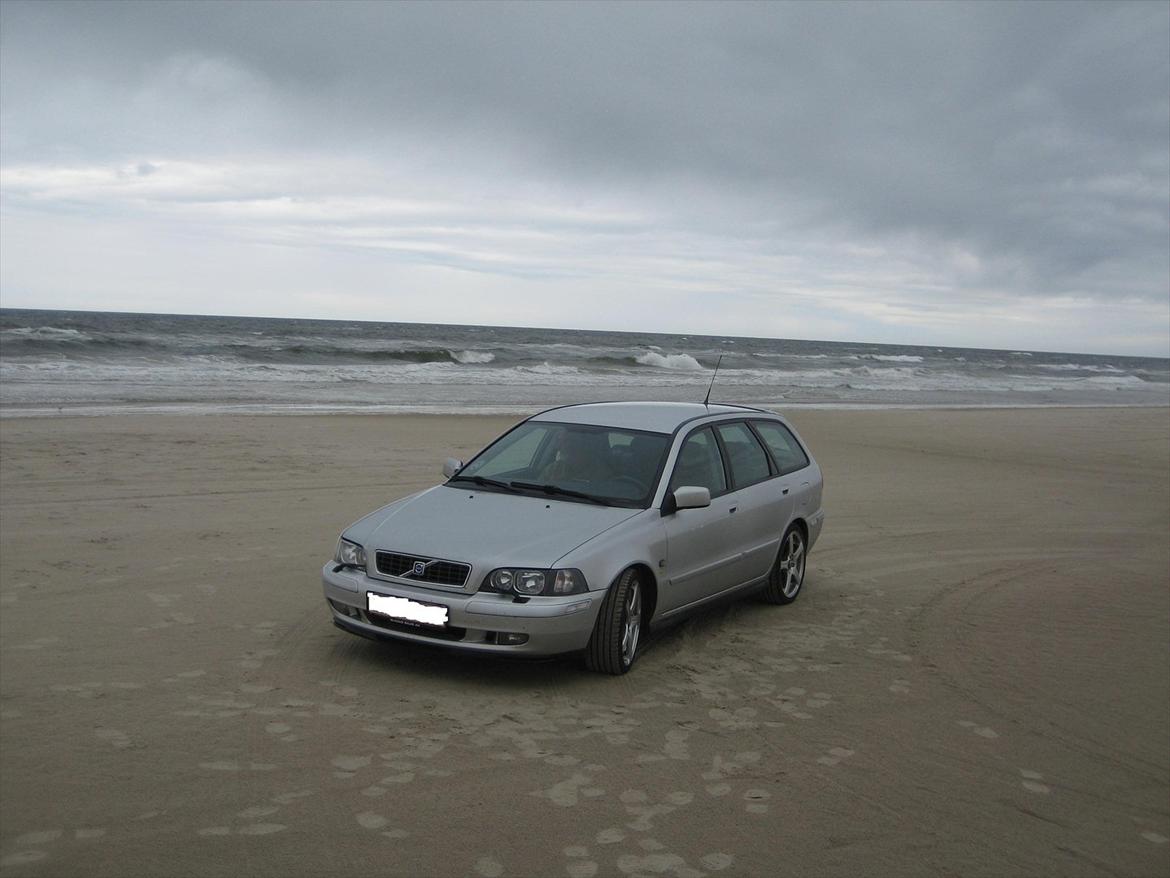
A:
(554, 625)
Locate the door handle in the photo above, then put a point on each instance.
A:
(732, 509)
(783, 490)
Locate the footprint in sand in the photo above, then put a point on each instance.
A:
(257, 811)
(20, 858)
(1031, 782)
(286, 798)
(835, 755)
(370, 820)
(568, 792)
(757, 801)
(261, 829)
(579, 865)
(656, 863)
(250, 829)
(377, 823)
(612, 835)
(44, 837)
(818, 700)
(228, 765)
(114, 737)
(717, 861)
(722, 768)
(975, 728)
(350, 764)
(638, 805)
(489, 867)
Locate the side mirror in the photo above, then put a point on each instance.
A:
(451, 467)
(686, 497)
(691, 497)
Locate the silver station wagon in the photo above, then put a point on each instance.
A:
(582, 526)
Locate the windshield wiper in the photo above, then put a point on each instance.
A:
(562, 492)
(484, 481)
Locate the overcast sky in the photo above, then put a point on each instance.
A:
(989, 175)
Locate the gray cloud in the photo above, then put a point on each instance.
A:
(1008, 149)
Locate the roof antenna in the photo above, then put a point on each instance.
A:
(712, 384)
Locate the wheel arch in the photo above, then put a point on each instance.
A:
(651, 584)
(803, 525)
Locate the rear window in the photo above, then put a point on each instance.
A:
(786, 451)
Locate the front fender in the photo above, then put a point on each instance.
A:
(638, 540)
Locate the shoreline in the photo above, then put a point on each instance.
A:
(182, 411)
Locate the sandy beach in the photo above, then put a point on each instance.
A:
(975, 681)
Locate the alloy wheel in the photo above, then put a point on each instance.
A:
(632, 626)
(792, 564)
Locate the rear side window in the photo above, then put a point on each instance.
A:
(745, 455)
(786, 451)
(699, 464)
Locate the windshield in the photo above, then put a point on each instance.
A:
(573, 462)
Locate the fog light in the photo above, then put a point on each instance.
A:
(507, 638)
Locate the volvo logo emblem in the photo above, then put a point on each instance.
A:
(420, 567)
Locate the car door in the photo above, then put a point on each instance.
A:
(701, 546)
(798, 476)
(762, 501)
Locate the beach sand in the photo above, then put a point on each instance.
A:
(976, 679)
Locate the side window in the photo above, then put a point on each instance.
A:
(786, 451)
(749, 463)
(700, 464)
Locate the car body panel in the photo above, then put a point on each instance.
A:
(702, 553)
(488, 530)
(760, 515)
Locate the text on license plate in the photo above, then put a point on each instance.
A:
(403, 608)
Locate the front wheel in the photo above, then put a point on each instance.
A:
(787, 574)
(613, 645)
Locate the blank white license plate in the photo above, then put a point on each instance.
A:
(406, 610)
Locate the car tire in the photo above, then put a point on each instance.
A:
(613, 646)
(786, 577)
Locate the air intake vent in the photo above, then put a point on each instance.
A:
(422, 569)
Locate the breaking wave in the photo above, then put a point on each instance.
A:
(669, 361)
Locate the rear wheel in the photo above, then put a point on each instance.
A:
(613, 645)
(787, 575)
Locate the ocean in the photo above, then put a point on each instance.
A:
(96, 363)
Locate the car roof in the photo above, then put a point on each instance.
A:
(656, 417)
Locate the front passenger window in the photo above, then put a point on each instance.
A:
(699, 464)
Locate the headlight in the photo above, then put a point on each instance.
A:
(509, 580)
(350, 554)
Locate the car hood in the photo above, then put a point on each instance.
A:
(485, 529)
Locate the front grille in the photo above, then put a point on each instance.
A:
(437, 571)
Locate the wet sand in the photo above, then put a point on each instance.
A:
(975, 681)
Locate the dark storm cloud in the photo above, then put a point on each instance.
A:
(1029, 141)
